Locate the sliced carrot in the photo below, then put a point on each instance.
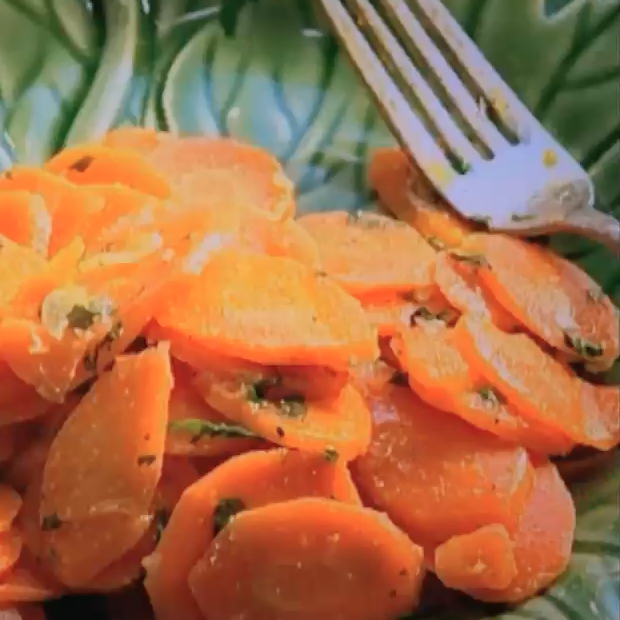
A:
(538, 386)
(108, 314)
(405, 192)
(440, 375)
(482, 559)
(458, 281)
(18, 400)
(435, 475)
(226, 173)
(369, 253)
(69, 205)
(250, 480)
(91, 164)
(543, 540)
(10, 503)
(25, 219)
(339, 427)
(10, 550)
(190, 417)
(140, 139)
(8, 447)
(27, 583)
(553, 298)
(272, 311)
(23, 612)
(107, 457)
(17, 265)
(350, 563)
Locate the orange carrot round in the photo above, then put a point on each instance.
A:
(247, 481)
(10, 503)
(351, 563)
(24, 218)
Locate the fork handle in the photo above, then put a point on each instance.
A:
(595, 225)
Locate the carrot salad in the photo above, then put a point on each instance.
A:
(247, 414)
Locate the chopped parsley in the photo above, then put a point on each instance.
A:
(489, 396)
(331, 454)
(583, 347)
(205, 428)
(81, 317)
(226, 510)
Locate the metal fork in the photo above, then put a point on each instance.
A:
(501, 167)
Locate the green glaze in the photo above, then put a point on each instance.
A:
(71, 69)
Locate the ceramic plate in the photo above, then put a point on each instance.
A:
(267, 71)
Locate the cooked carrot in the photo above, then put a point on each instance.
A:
(538, 386)
(10, 503)
(18, 400)
(435, 475)
(83, 326)
(272, 311)
(369, 253)
(25, 219)
(139, 139)
(250, 480)
(8, 447)
(440, 375)
(543, 540)
(190, 416)
(339, 426)
(107, 457)
(91, 164)
(405, 192)
(458, 281)
(226, 173)
(351, 563)
(553, 298)
(27, 583)
(69, 205)
(10, 550)
(23, 612)
(483, 558)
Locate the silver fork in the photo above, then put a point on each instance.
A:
(526, 183)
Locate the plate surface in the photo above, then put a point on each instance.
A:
(71, 69)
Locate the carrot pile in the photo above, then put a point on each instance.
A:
(260, 416)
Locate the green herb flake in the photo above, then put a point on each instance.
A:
(146, 459)
(475, 260)
(399, 378)
(225, 510)
(80, 317)
(82, 164)
(293, 406)
(257, 392)
(583, 347)
(51, 522)
(461, 166)
(331, 454)
(199, 429)
(489, 396)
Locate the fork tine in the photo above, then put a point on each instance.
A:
(442, 119)
(503, 99)
(408, 129)
(409, 27)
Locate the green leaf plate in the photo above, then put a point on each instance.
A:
(268, 72)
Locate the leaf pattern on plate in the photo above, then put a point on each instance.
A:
(71, 69)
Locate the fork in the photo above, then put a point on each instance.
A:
(477, 143)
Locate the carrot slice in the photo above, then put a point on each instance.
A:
(440, 375)
(69, 205)
(27, 583)
(538, 386)
(543, 540)
(18, 400)
(84, 325)
(481, 559)
(435, 475)
(338, 427)
(405, 192)
(457, 279)
(250, 480)
(293, 317)
(553, 298)
(91, 164)
(225, 173)
(139, 139)
(190, 419)
(350, 563)
(25, 219)
(10, 550)
(107, 457)
(368, 253)
(10, 503)
(24, 612)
